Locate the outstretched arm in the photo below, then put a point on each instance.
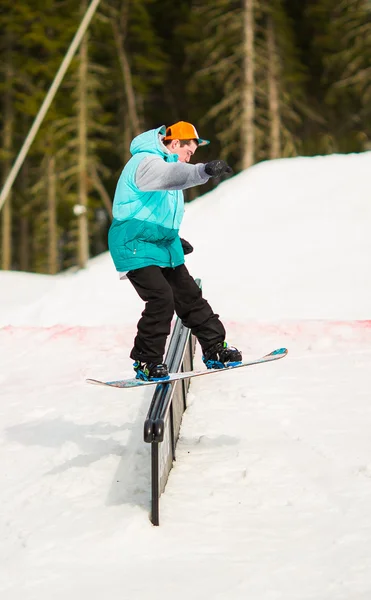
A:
(155, 174)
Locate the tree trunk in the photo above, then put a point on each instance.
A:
(248, 92)
(274, 107)
(24, 243)
(8, 129)
(83, 253)
(101, 190)
(127, 140)
(52, 218)
(119, 37)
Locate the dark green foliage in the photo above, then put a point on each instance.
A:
(185, 62)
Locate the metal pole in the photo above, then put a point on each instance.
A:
(47, 101)
(155, 475)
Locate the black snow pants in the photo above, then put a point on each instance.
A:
(163, 291)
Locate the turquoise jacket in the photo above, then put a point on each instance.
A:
(145, 226)
(146, 219)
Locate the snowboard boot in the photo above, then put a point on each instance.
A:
(221, 356)
(150, 371)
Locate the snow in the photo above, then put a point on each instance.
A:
(270, 495)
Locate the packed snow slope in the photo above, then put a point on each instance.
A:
(288, 238)
(271, 491)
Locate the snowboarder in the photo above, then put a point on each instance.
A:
(146, 248)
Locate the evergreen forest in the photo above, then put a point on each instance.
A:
(261, 79)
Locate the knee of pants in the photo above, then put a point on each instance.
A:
(169, 301)
(163, 305)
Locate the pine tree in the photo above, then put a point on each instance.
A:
(39, 35)
(248, 85)
(346, 71)
(82, 131)
(284, 82)
(249, 58)
(261, 79)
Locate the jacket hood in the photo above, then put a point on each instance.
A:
(149, 141)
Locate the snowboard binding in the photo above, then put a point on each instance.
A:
(151, 371)
(221, 356)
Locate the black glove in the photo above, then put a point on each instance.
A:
(215, 168)
(187, 248)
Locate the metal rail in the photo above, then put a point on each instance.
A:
(164, 417)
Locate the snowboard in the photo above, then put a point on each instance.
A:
(132, 382)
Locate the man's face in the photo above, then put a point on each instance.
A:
(184, 153)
